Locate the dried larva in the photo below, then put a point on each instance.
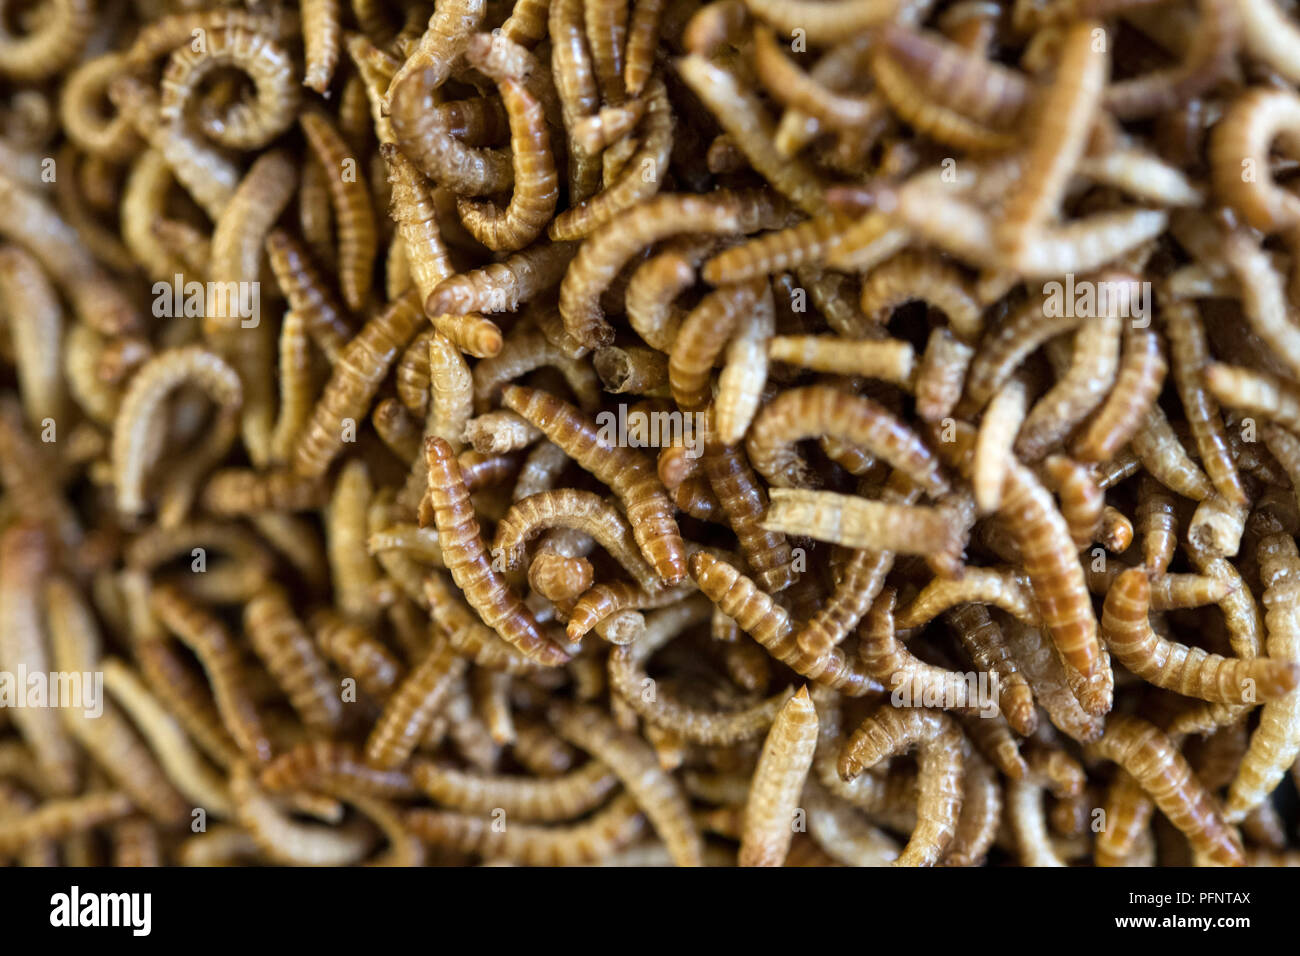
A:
(360, 369)
(634, 763)
(1186, 670)
(1157, 766)
(606, 250)
(358, 239)
(265, 62)
(1276, 741)
(825, 410)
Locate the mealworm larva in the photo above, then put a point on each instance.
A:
(503, 286)
(940, 746)
(499, 432)
(58, 818)
(1241, 141)
(1091, 374)
(361, 367)
(743, 501)
(941, 374)
(769, 624)
(607, 249)
(605, 607)
(615, 826)
(524, 351)
(85, 88)
(701, 339)
(1005, 346)
(241, 491)
(778, 781)
(634, 763)
(107, 736)
(412, 706)
(663, 708)
(743, 116)
(988, 648)
(1006, 589)
(265, 62)
(1163, 455)
(1081, 500)
(36, 323)
(358, 239)
(558, 578)
(24, 564)
(562, 797)
(307, 293)
(133, 446)
(911, 276)
(321, 31)
(606, 33)
(297, 387)
(640, 177)
(411, 208)
(1047, 678)
(825, 410)
(1276, 741)
(890, 360)
(332, 768)
(443, 42)
(1263, 297)
(741, 384)
(863, 523)
(993, 444)
(1157, 766)
(655, 284)
(631, 475)
(1186, 670)
(284, 839)
(281, 641)
(357, 653)
(1254, 391)
(208, 638)
(458, 534)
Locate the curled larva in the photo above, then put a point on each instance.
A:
(1276, 741)
(466, 559)
(607, 249)
(1004, 588)
(1241, 141)
(941, 767)
(523, 351)
(825, 410)
(1082, 502)
(1155, 763)
(135, 447)
(1165, 458)
(634, 763)
(641, 176)
(443, 42)
(286, 840)
(656, 283)
(241, 125)
(631, 475)
(911, 276)
(769, 624)
(48, 44)
(1186, 670)
(701, 339)
(357, 235)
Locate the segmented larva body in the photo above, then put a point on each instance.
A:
(536, 182)
(266, 63)
(308, 295)
(742, 499)
(443, 42)
(984, 641)
(135, 428)
(358, 238)
(631, 475)
(361, 367)
(1242, 139)
(570, 508)
(1186, 670)
(242, 491)
(609, 248)
(58, 818)
(633, 762)
(321, 32)
(616, 826)
(412, 209)
(282, 643)
(641, 175)
(524, 351)
(911, 276)
(1254, 391)
(825, 410)
(466, 559)
(1006, 345)
(335, 768)
(503, 286)
(1007, 589)
(778, 782)
(1276, 741)
(413, 705)
(1155, 763)
(357, 653)
(941, 767)
(284, 839)
(769, 624)
(24, 563)
(1048, 680)
(562, 797)
(701, 339)
(1060, 589)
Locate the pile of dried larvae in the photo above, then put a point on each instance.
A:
(650, 432)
